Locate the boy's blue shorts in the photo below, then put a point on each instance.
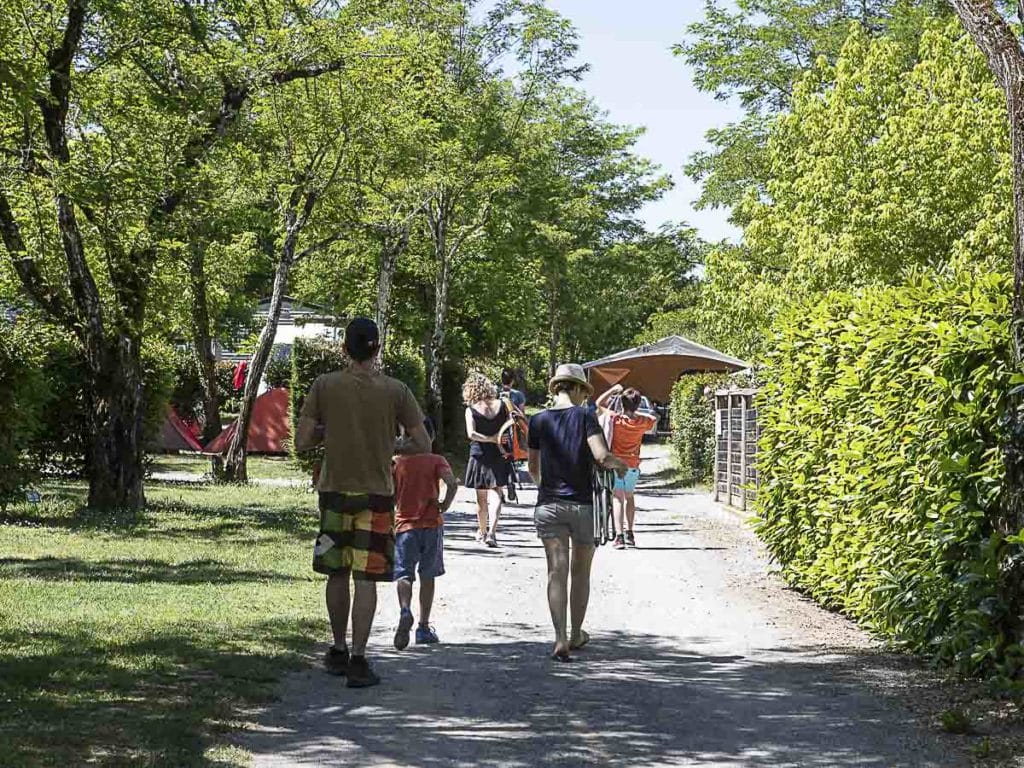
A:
(419, 546)
(627, 483)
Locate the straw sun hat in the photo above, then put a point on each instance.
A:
(570, 372)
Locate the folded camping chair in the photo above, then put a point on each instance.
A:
(604, 518)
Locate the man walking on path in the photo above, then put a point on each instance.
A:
(354, 414)
(564, 442)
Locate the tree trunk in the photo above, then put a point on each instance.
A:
(392, 246)
(234, 468)
(116, 423)
(435, 349)
(202, 351)
(1002, 48)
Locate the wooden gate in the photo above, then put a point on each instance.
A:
(736, 436)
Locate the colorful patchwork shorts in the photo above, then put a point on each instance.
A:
(357, 535)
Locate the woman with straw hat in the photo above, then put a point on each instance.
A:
(564, 441)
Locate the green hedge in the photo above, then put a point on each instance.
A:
(880, 463)
(693, 426)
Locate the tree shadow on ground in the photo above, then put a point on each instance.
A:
(146, 571)
(69, 698)
(627, 700)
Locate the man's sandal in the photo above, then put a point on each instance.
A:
(562, 656)
(583, 639)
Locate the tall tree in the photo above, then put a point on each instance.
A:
(756, 51)
(105, 113)
(1002, 47)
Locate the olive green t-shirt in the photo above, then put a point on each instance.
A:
(360, 411)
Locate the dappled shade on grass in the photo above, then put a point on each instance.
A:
(136, 640)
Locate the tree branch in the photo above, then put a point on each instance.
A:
(28, 271)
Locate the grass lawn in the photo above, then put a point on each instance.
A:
(138, 641)
(259, 467)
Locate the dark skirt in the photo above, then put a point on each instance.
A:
(487, 472)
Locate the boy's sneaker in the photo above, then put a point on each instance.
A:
(630, 540)
(359, 673)
(336, 662)
(402, 633)
(426, 636)
(620, 542)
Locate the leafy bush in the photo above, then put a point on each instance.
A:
(405, 363)
(693, 426)
(23, 395)
(880, 463)
(279, 367)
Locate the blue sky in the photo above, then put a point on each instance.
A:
(634, 76)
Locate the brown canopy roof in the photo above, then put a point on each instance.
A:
(655, 368)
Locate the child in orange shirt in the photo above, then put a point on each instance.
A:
(419, 536)
(628, 430)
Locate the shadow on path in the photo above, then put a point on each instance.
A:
(627, 700)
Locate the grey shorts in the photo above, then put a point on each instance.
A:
(565, 518)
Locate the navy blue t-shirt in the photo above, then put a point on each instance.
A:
(565, 459)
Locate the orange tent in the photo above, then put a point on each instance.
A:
(269, 428)
(655, 368)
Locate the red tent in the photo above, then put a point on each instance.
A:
(268, 430)
(175, 435)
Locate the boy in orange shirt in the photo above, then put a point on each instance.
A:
(419, 536)
(628, 430)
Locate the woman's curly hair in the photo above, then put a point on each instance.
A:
(478, 388)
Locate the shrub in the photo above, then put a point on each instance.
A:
(693, 426)
(23, 395)
(880, 463)
(279, 367)
(405, 363)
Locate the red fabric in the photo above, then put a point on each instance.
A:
(238, 381)
(417, 489)
(269, 428)
(175, 434)
(628, 435)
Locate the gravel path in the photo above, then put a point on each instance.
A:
(698, 657)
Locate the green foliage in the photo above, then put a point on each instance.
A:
(23, 393)
(884, 165)
(405, 363)
(279, 369)
(693, 426)
(881, 468)
(757, 51)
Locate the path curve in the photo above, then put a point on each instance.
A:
(698, 657)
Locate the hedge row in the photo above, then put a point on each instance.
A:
(693, 426)
(880, 463)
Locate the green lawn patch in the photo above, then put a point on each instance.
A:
(139, 640)
(259, 467)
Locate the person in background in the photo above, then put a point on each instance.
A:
(419, 536)
(488, 470)
(628, 428)
(353, 414)
(508, 390)
(565, 440)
